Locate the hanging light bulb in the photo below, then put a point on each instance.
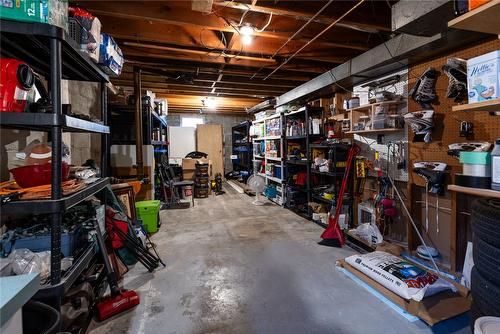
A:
(246, 30)
(210, 103)
(246, 33)
(246, 39)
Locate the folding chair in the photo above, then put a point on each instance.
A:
(169, 180)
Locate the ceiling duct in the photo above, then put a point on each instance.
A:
(386, 58)
(422, 18)
(264, 105)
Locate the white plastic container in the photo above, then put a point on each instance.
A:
(483, 77)
(495, 166)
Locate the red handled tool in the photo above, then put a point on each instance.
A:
(333, 236)
(120, 300)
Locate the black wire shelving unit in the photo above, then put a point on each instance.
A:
(242, 146)
(306, 141)
(51, 53)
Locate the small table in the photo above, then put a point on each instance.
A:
(15, 291)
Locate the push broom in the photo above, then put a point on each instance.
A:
(120, 300)
(333, 235)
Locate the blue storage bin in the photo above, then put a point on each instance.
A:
(270, 192)
(69, 243)
(277, 172)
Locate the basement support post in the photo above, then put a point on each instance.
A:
(138, 123)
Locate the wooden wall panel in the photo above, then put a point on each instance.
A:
(210, 139)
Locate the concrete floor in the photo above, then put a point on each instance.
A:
(237, 268)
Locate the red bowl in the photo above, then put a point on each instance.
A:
(37, 175)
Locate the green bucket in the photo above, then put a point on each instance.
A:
(148, 211)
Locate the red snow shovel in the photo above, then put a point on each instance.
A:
(333, 236)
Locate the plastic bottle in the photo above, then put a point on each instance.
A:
(495, 166)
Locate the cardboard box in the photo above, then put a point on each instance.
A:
(53, 12)
(189, 167)
(432, 309)
(483, 77)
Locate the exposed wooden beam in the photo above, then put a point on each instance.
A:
(230, 55)
(205, 111)
(221, 87)
(244, 63)
(233, 102)
(199, 92)
(325, 56)
(303, 16)
(208, 23)
(208, 68)
(250, 90)
(159, 76)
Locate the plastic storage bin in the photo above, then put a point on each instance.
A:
(69, 243)
(148, 212)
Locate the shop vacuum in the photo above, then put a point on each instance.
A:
(120, 300)
(16, 81)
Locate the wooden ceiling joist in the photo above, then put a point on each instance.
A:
(227, 55)
(205, 92)
(209, 22)
(201, 78)
(187, 53)
(303, 16)
(233, 88)
(293, 67)
(207, 68)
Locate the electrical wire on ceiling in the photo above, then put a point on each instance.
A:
(222, 40)
(293, 36)
(236, 29)
(268, 22)
(314, 38)
(242, 17)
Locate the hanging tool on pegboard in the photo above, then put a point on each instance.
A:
(466, 129)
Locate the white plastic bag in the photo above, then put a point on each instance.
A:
(399, 276)
(370, 233)
(468, 264)
(25, 261)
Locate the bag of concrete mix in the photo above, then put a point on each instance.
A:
(399, 276)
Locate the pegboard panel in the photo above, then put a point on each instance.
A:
(368, 142)
(446, 121)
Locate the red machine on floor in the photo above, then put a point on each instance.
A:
(120, 300)
(333, 235)
(16, 80)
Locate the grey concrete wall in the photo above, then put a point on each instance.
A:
(84, 98)
(227, 121)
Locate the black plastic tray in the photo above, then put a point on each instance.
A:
(44, 122)
(53, 206)
(30, 42)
